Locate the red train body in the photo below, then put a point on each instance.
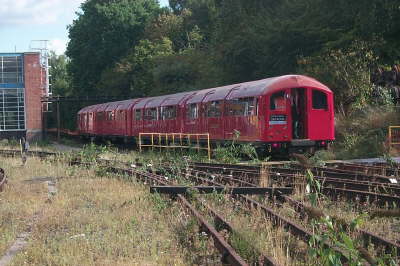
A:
(285, 112)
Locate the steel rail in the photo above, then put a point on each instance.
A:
(228, 253)
(220, 189)
(327, 171)
(363, 196)
(348, 184)
(366, 169)
(221, 223)
(388, 245)
(276, 219)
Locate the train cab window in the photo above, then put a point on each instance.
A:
(151, 114)
(193, 111)
(138, 114)
(277, 101)
(214, 109)
(319, 100)
(241, 107)
(168, 112)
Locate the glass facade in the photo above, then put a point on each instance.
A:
(11, 69)
(12, 96)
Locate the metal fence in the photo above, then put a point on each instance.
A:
(175, 140)
(394, 135)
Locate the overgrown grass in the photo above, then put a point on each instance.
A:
(364, 133)
(91, 221)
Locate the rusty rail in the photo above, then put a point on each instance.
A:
(388, 245)
(228, 253)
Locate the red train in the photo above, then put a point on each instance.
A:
(281, 113)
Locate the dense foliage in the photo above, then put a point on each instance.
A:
(136, 48)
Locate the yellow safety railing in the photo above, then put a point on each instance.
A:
(394, 135)
(175, 140)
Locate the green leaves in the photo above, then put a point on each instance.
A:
(102, 34)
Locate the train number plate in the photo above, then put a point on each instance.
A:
(277, 120)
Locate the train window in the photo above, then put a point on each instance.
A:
(110, 115)
(102, 116)
(319, 100)
(241, 107)
(150, 114)
(138, 114)
(193, 111)
(168, 112)
(214, 109)
(277, 101)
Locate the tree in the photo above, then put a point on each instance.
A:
(60, 80)
(102, 34)
(347, 71)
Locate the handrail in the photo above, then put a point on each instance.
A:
(175, 140)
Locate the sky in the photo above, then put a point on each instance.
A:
(24, 21)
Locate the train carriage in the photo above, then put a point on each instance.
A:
(280, 113)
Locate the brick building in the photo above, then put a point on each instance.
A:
(22, 84)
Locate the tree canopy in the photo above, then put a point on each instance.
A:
(136, 48)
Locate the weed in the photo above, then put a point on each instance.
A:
(160, 204)
(243, 247)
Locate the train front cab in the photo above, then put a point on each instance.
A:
(299, 119)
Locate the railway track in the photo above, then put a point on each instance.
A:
(212, 175)
(229, 255)
(385, 244)
(353, 185)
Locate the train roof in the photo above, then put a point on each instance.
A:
(256, 88)
(88, 108)
(239, 90)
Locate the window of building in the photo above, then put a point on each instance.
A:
(241, 107)
(319, 100)
(138, 114)
(168, 112)
(214, 109)
(151, 114)
(12, 109)
(277, 101)
(11, 69)
(193, 111)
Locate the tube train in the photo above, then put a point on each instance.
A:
(284, 113)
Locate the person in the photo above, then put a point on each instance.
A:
(24, 150)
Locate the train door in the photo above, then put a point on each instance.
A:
(278, 120)
(192, 118)
(213, 119)
(319, 112)
(299, 110)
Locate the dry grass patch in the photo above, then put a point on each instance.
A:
(258, 232)
(21, 200)
(91, 221)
